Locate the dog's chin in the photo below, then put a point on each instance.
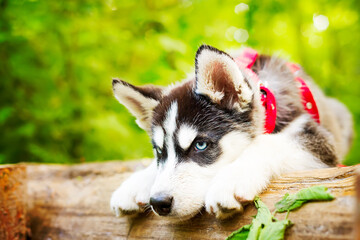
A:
(178, 217)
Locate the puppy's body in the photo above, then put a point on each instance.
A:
(209, 141)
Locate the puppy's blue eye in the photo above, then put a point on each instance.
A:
(158, 151)
(201, 146)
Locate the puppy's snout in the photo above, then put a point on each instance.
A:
(161, 203)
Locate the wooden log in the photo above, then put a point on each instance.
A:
(12, 202)
(72, 202)
(357, 213)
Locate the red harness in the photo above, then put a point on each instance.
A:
(246, 61)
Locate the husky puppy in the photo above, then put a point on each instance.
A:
(209, 142)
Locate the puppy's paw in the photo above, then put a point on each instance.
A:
(226, 198)
(131, 197)
(222, 202)
(125, 201)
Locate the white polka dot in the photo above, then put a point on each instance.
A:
(309, 105)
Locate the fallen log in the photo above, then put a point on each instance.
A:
(12, 202)
(72, 202)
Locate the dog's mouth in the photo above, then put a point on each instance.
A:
(172, 213)
(177, 218)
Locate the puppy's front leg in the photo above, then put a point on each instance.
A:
(242, 180)
(134, 193)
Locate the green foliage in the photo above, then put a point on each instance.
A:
(264, 226)
(275, 230)
(240, 234)
(294, 201)
(58, 57)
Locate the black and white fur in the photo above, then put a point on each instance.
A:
(220, 108)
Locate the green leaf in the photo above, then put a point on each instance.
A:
(240, 234)
(252, 231)
(293, 201)
(264, 214)
(255, 230)
(262, 218)
(274, 230)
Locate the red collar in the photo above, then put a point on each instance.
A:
(246, 61)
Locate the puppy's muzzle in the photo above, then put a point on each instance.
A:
(161, 203)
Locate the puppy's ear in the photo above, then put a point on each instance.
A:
(140, 101)
(219, 78)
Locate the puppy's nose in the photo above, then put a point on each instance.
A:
(161, 203)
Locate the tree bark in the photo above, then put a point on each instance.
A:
(12, 202)
(72, 202)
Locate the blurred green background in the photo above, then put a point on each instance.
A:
(57, 59)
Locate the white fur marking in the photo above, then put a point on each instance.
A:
(170, 126)
(158, 136)
(186, 136)
(232, 144)
(170, 121)
(166, 171)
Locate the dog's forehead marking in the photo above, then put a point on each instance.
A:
(170, 127)
(158, 136)
(170, 120)
(186, 136)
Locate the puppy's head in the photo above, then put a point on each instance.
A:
(196, 128)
